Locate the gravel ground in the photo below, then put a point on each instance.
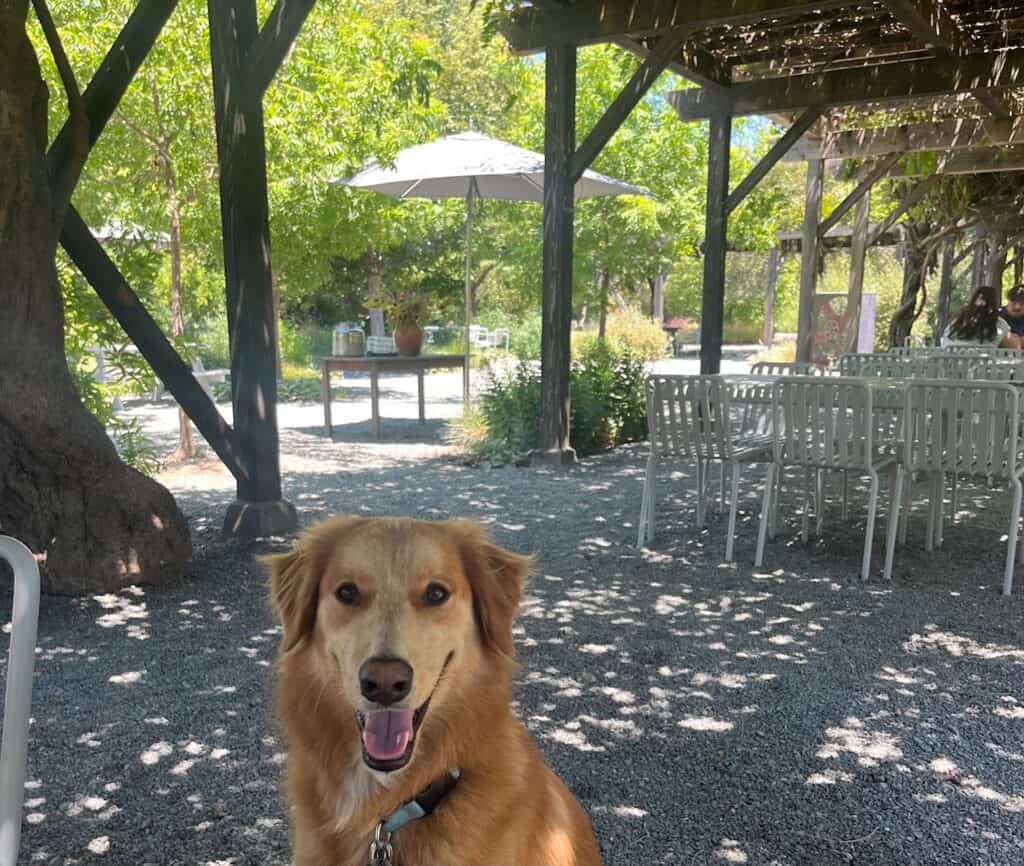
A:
(704, 713)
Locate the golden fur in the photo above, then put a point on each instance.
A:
(509, 808)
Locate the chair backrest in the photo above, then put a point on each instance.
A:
(689, 416)
(824, 422)
(970, 428)
(999, 369)
(785, 368)
(18, 695)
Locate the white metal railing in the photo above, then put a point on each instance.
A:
(18, 697)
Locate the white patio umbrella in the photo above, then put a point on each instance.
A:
(472, 166)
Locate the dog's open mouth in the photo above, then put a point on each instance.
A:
(389, 735)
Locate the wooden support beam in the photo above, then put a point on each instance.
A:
(591, 21)
(115, 73)
(885, 83)
(979, 262)
(712, 318)
(638, 86)
(932, 24)
(965, 134)
(858, 256)
(909, 202)
(1018, 265)
(771, 284)
(986, 160)
(809, 258)
(276, 38)
(996, 263)
(778, 150)
(860, 191)
(945, 296)
(556, 288)
(241, 151)
(94, 263)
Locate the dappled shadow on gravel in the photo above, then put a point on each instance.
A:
(703, 712)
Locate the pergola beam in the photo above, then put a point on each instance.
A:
(138, 324)
(115, 73)
(590, 21)
(885, 83)
(963, 134)
(908, 203)
(637, 88)
(778, 150)
(859, 192)
(932, 24)
(276, 38)
(984, 161)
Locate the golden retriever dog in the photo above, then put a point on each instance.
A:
(394, 686)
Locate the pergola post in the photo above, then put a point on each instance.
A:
(774, 267)
(1018, 265)
(945, 288)
(715, 236)
(559, 209)
(809, 258)
(238, 102)
(858, 254)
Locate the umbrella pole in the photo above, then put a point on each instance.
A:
(469, 291)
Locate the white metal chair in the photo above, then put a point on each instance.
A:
(18, 695)
(824, 424)
(971, 430)
(786, 368)
(690, 417)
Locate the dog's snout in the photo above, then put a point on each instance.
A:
(385, 681)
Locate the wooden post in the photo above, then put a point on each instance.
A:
(238, 103)
(716, 227)
(945, 289)
(1018, 265)
(774, 266)
(809, 258)
(858, 253)
(556, 300)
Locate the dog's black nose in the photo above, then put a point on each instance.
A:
(385, 681)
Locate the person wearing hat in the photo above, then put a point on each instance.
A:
(1013, 312)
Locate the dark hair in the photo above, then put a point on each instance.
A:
(978, 323)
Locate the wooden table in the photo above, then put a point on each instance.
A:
(375, 365)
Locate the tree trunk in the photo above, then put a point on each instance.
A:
(657, 285)
(95, 524)
(186, 449)
(602, 321)
(915, 270)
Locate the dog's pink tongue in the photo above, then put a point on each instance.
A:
(387, 733)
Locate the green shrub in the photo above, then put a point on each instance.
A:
(642, 335)
(608, 406)
(292, 389)
(737, 332)
(524, 341)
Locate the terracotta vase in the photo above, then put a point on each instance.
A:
(408, 339)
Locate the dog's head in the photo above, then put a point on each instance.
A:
(396, 611)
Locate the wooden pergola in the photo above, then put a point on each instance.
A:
(830, 71)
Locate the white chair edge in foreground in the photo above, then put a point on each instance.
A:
(18, 697)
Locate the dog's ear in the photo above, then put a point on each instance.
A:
(293, 593)
(496, 577)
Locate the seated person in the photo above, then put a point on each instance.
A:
(979, 323)
(1013, 312)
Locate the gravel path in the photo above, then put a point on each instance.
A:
(704, 713)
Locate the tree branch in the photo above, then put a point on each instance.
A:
(62, 187)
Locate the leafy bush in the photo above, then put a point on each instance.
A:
(641, 334)
(736, 332)
(294, 388)
(608, 406)
(781, 352)
(525, 338)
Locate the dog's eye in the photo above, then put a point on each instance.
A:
(436, 595)
(348, 593)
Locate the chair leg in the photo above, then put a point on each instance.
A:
(645, 531)
(721, 488)
(929, 538)
(940, 509)
(869, 532)
(955, 503)
(766, 512)
(776, 497)
(846, 496)
(895, 506)
(819, 501)
(735, 470)
(905, 509)
(805, 527)
(701, 470)
(1011, 542)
